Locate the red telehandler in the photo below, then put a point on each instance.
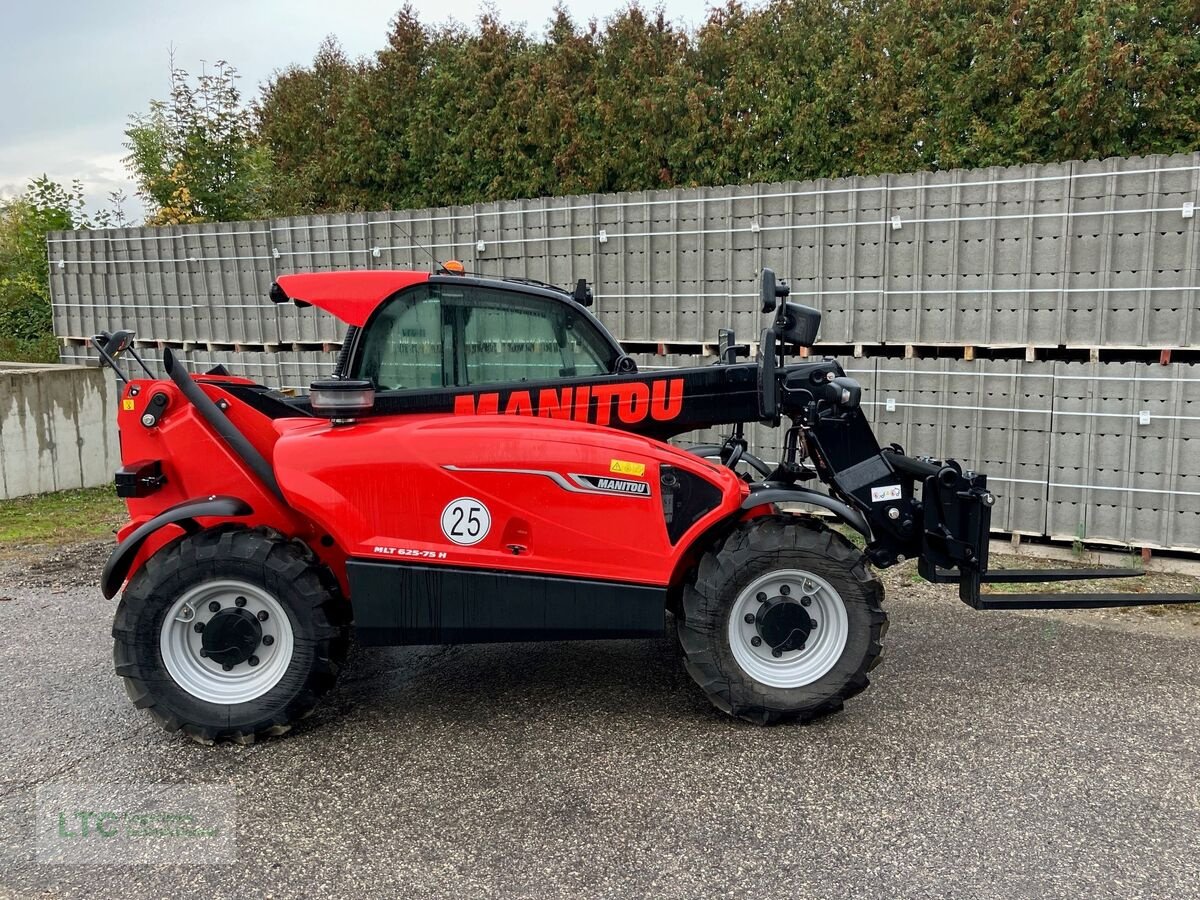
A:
(488, 464)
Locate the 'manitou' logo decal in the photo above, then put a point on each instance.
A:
(614, 485)
(632, 402)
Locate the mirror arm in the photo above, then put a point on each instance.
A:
(104, 355)
(142, 363)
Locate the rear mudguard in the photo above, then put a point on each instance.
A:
(768, 492)
(183, 515)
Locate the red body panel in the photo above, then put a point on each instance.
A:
(350, 296)
(199, 464)
(381, 487)
(563, 497)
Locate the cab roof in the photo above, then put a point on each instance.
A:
(350, 296)
(353, 296)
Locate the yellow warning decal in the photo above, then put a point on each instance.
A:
(624, 467)
(127, 405)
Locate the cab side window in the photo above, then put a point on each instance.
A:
(403, 348)
(539, 341)
(442, 335)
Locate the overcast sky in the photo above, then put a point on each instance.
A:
(72, 71)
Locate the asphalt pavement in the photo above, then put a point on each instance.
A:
(995, 755)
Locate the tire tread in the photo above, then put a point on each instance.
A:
(701, 630)
(324, 617)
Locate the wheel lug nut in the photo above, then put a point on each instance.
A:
(198, 627)
(749, 618)
(806, 601)
(761, 597)
(203, 652)
(785, 589)
(801, 647)
(755, 641)
(262, 615)
(227, 667)
(240, 601)
(253, 660)
(268, 640)
(777, 653)
(214, 606)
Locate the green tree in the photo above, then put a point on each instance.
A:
(643, 72)
(790, 89)
(931, 84)
(311, 133)
(196, 157)
(26, 322)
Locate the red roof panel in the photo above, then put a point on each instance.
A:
(350, 296)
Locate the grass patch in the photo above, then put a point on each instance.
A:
(61, 517)
(849, 534)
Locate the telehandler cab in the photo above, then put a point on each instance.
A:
(487, 464)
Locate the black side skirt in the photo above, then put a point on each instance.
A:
(395, 603)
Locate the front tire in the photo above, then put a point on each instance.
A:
(230, 635)
(782, 622)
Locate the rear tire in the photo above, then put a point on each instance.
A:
(782, 622)
(230, 635)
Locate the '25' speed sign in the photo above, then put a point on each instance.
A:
(466, 521)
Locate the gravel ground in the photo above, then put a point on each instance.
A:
(996, 755)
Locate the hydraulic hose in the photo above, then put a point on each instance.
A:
(711, 450)
(219, 423)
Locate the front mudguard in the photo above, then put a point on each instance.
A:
(767, 492)
(762, 494)
(183, 515)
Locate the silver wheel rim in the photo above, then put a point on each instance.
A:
(823, 646)
(180, 643)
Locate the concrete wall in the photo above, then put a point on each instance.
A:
(57, 428)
